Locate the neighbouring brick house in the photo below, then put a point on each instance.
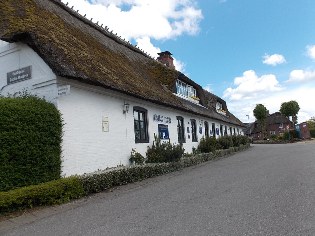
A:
(276, 124)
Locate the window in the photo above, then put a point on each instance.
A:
(185, 89)
(272, 132)
(141, 125)
(180, 129)
(213, 129)
(193, 130)
(225, 131)
(221, 130)
(231, 133)
(181, 88)
(206, 129)
(191, 91)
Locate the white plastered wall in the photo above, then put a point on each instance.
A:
(15, 56)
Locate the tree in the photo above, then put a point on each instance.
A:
(311, 123)
(261, 113)
(290, 108)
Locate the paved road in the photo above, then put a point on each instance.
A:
(266, 190)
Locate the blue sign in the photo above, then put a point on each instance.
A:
(163, 131)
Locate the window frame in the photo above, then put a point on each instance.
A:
(194, 137)
(145, 125)
(180, 135)
(206, 129)
(213, 130)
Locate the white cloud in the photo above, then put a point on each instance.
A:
(274, 59)
(208, 88)
(311, 51)
(303, 95)
(250, 86)
(143, 20)
(301, 75)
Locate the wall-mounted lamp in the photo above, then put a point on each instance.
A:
(126, 108)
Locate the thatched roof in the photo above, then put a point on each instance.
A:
(76, 48)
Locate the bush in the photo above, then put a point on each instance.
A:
(225, 142)
(101, 181)
(164, 152)
(206, 145)
(244, 140)
(53, 192)
(136, 157)
(30, 142)
(291, 135)
(63, 190)
(312, 132)
(236, 140)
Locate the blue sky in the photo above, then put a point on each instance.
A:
(245, 51)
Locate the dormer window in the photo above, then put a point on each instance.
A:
(219, 108)
(181, 88)
(186, 91)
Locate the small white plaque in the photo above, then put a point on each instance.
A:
(105, 124)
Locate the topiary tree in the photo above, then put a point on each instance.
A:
(290, 108)
(30, 142)
(261, 113)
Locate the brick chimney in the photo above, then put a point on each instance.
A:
(166, 59)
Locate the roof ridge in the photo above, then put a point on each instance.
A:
(104, 30)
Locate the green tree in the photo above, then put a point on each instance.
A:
(311, 123)
(261, 113)
(290, 108)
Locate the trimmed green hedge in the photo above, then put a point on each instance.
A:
(101, 181)
(50, 193)
(63, 190)
(30, 142)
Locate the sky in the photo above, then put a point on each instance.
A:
(247, 52)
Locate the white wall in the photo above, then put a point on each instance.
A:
(87, 148)
(15, 56)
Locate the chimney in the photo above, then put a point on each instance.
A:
(166, 59)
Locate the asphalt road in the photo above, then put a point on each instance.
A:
(265, 190)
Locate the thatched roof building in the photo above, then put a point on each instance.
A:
(78, 49)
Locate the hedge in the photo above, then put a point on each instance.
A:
(65, 189)
(50, 193)
(30, 142)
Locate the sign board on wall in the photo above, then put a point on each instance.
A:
(163, 131)
(105, 124)
(162, 119)
(63, 90)
(19, 75)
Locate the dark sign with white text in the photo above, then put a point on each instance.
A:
(19, 75)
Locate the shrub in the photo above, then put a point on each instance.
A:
(312, 132)
(225, 142)
(63, 190)
(292, 134)
(273, 137)
(164, 152)
(244, 140)
(236, 140)
(53, 192)
(206, 145)
(30, 142)
(136, 157)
